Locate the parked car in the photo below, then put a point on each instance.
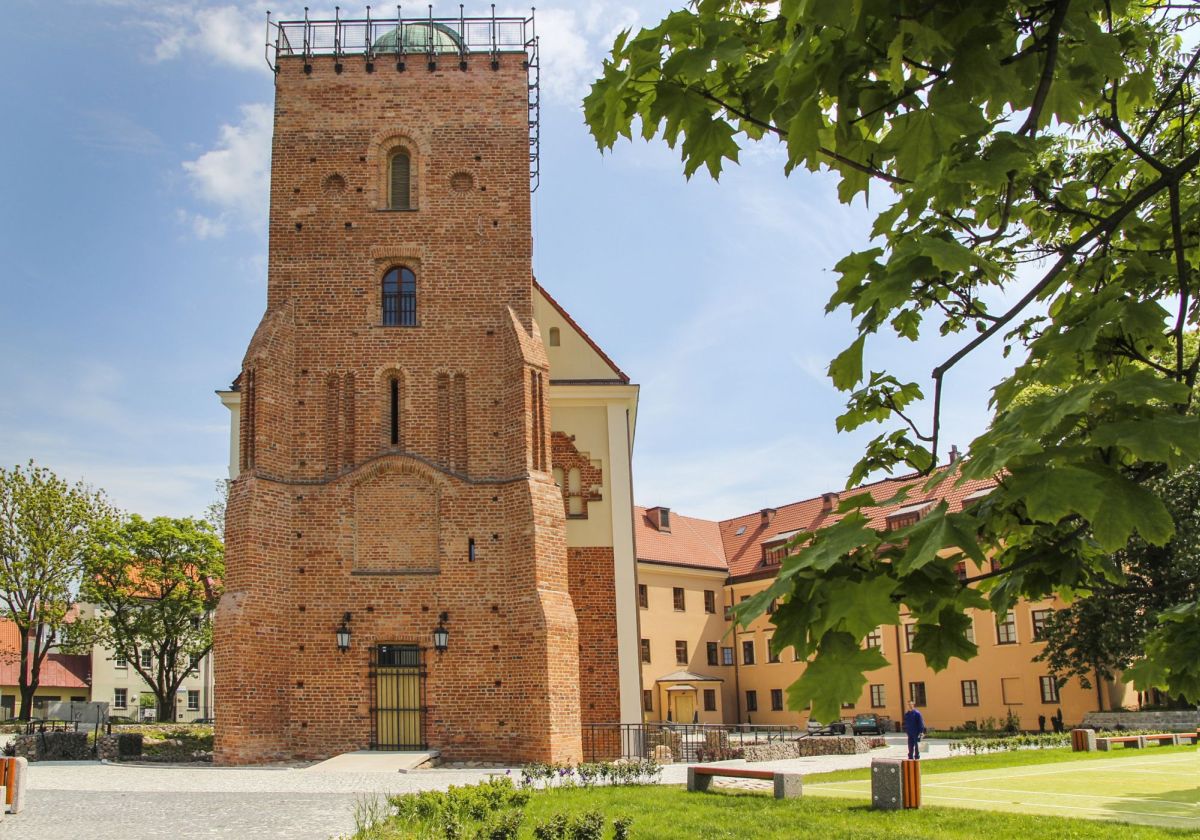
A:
(868, 724)
(815, 727)
(205, 720)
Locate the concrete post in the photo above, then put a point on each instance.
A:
(887, 784)
(789, 785)
(15, 776)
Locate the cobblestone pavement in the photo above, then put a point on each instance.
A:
(92, 801)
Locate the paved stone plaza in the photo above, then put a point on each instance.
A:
(93, 801)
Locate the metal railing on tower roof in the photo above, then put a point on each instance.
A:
(412, 42)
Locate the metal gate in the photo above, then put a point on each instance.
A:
(397, 697)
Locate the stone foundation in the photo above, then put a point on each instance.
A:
(53, 746)
(841, 745)
(118, 747)
(1175, 721)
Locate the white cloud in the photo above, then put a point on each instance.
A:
(231, 36)
(235, 175)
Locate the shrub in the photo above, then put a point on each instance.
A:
(587, 826)
(505, 825)
(553, 829)
(621, 826)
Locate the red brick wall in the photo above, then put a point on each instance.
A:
(594, 594)
(322, 520)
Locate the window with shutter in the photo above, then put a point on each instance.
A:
(399, 193)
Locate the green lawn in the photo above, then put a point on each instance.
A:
(998, 760)
(1154, 786)
(671, 813)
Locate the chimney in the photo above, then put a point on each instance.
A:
(954, 456)
(660, 518)
(767, 515)
(829, 501)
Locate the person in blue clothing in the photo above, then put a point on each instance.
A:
(914, 726)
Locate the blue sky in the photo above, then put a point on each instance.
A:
(133, 252)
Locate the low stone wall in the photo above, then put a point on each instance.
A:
(1163, 721)
(821, 745)
(120, 746)
(53, 746)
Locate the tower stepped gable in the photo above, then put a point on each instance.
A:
(394, 448)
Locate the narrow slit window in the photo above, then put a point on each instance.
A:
(400, 298)
(399, 192)
(394, 413)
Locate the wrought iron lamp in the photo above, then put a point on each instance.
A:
(441, 636)
(343, 634)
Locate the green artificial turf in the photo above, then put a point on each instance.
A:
(997, 760)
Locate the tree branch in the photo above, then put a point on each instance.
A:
(866, 169)
(1054, 28)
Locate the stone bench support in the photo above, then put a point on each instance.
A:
(787, 785)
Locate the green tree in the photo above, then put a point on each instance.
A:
(46, 529)
(1046, 149)
(155, 583)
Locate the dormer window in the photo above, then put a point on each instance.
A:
(660, 518)
(777, 548)
(906, 516)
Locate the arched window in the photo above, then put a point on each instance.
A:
(399, 298)
(399, 184)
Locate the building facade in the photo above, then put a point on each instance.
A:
(422, 440)
(117, 682)
(63, 677)
(691, 572)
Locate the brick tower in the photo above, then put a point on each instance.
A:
(394, 454)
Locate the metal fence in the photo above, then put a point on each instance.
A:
(687, 742)
(406, 40)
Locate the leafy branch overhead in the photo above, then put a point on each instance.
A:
(1047, 150)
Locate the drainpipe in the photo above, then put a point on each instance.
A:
(737, 685)
(900, 671)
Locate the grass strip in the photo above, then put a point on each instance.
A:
(995, 761)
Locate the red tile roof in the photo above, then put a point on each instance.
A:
(690, 542)
(743, 536)
(59, 670)
(736, 544)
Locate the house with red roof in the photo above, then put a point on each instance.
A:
(697, 667)
(63, 676)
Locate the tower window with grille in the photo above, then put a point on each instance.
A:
(399, 183)
(400, 298)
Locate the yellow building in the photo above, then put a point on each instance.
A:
(691, 571)
(117, 682)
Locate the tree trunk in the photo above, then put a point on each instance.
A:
(28, 680)
(1099, 692)
(166, 709)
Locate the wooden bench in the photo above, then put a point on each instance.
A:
(1139, 741)
(787, 785)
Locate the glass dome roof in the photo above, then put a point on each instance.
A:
(417, 38)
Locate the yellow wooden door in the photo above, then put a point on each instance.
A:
(399, 698)
(685, 707)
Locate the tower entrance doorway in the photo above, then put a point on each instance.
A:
(397, 697)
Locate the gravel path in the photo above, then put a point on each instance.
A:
(92, 801)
